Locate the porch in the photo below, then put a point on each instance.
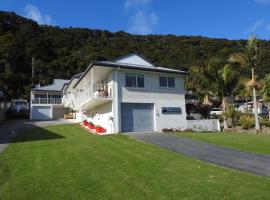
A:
(95, 89)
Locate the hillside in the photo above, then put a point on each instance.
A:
(62, 52)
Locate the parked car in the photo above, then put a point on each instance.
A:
(215, 112)
(19, 108)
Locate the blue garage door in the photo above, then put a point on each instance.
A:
(137, 117)
(41, 112)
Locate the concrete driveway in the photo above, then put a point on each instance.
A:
(22, 125)
(258, 164)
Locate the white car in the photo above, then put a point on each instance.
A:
(216, 112)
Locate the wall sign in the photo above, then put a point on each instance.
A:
(171, 110)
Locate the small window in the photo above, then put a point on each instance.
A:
(171, 82)
(167, 82)
(135, 80)
(163, 81)
(140, 81)
(130, 80)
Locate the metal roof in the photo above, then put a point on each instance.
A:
(130, 66)
(56, 86)
(76, 76)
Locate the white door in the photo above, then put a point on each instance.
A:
(41, 112)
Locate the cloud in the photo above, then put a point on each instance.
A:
(32, 12)
(254, 27)
(142, 20)
(262, 1)
(142, 23)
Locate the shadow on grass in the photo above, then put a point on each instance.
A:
(23, 131)
(36, 134)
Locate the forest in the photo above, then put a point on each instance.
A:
(31, 53)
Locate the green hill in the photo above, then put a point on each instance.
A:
(63, 52)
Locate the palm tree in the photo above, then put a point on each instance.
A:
(224, 83)
(250, 59)
(266, 91)
(208, 80)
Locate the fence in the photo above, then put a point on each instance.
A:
(204, 125)
(4, 107)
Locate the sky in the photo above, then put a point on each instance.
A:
(231, 19)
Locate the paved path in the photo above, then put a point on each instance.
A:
(258, 164)
(22, 124)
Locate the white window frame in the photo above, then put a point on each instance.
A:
(167, 80)
(136, 75)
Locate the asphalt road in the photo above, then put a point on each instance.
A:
(258, 164)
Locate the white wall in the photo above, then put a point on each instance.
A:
(101, 115)
(152, 93)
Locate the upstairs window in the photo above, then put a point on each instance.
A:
(166, 82)
(134, 80)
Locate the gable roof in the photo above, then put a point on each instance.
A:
(57, 86)
(122, 63)
(75, 77)
(135, 59)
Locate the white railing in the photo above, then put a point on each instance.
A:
(98, 91)
(47, 101)
(102, 91)
(204, 125)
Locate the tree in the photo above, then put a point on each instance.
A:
(209, 80)
(250, 59)
(266, 92)
(224, 83)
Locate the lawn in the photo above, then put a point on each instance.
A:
(67, 162)
(257, 143)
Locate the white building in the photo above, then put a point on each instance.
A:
(46, 101)
(128, 94)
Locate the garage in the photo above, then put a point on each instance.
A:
(137, 117)
(41, 113)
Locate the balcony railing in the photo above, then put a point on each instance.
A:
(102, 91)
(98, 91)
(47, 101)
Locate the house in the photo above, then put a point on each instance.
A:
(128, 94)
(46, 101)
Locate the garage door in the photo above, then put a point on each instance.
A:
(41, 112)
(136, 117)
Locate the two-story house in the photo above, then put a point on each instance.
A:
(46, 101)
(128, 94)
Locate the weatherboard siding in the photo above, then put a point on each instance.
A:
(161, 97)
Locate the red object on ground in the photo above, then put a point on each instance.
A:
(85, 123)
(91, 126)
(100, 130)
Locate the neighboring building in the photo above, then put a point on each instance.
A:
(128, 94)
(46, 101)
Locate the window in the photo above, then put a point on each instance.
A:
(163, 81)
(171, 110)
(135, 80)
(167, 82)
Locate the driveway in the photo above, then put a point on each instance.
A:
(258, 164)
(22, 125)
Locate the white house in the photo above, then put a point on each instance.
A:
(128, 94)
(46, 101)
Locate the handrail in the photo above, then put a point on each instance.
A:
(47, 101)
(102, 91)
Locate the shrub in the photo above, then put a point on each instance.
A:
(231, 115)
(247, 121)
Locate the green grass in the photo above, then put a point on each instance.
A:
(257, 143)
(66, 162)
